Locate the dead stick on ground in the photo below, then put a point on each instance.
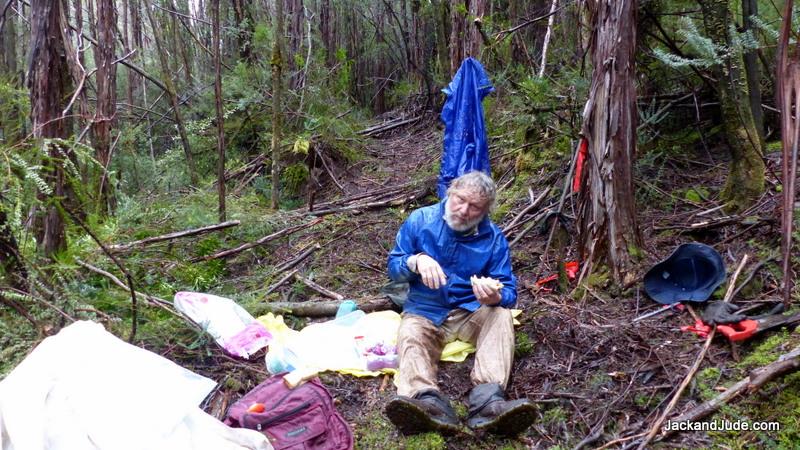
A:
(280, 282)
(134, 306)
(531, 206)
(688, 378)
(175, 235)
(298, 259)
(318, 288)
(788, 362)
(262, 241)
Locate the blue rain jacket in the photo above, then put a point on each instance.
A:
(484, 253)
(465, 146)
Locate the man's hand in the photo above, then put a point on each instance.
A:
(430, 271)
(487, 291)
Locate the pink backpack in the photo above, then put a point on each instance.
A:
(302, 418)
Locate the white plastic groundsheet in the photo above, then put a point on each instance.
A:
(86, 389)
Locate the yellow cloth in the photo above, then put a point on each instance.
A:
(332, 346)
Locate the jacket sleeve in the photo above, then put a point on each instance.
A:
(500, 269)
(404, 247)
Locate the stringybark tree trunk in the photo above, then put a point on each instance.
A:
(50, 83)
(465, 39)
(220, 112)
(326, 29)
(277, 91)
(166, 78)
(458, 34)
(106, 98)
(606, 216)
(745, 182)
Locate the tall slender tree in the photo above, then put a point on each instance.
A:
(277, 92)
(606, 217)
(106, 97)
(220, 112)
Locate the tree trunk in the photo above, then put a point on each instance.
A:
(295, 12)
(606, 216)
(106, 98)
(220, 112)
(135, 81)
(8, 50)
(11, 265)
(745, 182)
(326, 31)
(277, 91)
(50, 83)
(173, 96)
(246, 26)
(749, 10)
(458, 34)
(10, 132)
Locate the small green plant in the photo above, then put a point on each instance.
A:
(523, 346)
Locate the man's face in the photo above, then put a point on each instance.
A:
(465, 209)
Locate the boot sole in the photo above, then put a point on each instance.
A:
(511, 422)
(410, 419)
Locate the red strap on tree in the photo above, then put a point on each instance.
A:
(583, 151)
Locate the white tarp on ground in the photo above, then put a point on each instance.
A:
(86, 389)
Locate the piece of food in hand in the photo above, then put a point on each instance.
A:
(486, 281)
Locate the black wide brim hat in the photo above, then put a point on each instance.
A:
(691, 273)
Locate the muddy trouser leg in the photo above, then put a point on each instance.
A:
(491, 330)
(419, 347)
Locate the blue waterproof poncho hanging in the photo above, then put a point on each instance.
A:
(465, 146)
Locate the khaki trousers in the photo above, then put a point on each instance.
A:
(420, 344)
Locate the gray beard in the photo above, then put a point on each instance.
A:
(448, 218)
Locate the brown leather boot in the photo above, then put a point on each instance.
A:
(428, 410)
(490, 411)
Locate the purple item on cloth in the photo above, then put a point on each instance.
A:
(248, 341)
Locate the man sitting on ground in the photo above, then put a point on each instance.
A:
(458, 266)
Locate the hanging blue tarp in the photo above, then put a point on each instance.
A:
(465, 145)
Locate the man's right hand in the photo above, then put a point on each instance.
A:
(430, 271)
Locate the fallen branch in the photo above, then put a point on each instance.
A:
(689, 375)
(326, 292)
(174, 235)
(326, 308)
(280, 282)
(153, 300)
(527, 209)
(398, 201)
(788, 362)
(298, 259)
(262, 241)
(387, 126)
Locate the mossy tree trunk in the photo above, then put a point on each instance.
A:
(50, 84)
(745, 182)
(606, 216)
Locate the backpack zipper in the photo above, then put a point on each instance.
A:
(292, 411)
